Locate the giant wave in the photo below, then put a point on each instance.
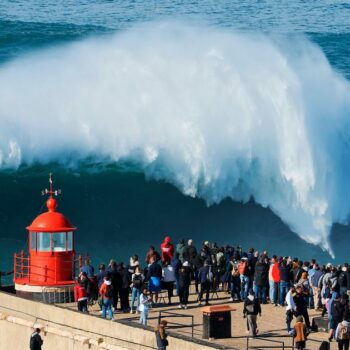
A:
(216, 113)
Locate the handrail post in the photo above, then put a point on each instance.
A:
(22, 264)
(15, 267)
(29, 265)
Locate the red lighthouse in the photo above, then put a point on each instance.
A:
(47, 272)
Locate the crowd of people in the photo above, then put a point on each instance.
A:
(250, 277)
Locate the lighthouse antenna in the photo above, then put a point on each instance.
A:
(51, 192)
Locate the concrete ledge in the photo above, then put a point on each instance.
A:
(67, 327)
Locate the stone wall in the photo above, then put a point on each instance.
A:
(70, 330)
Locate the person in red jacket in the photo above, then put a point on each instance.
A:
(80, 296)
(167, 250)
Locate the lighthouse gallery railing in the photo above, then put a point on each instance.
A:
(22, 268)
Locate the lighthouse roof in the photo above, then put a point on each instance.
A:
(51, 221)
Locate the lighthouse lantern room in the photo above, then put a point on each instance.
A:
(47, 272)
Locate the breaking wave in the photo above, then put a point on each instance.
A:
(216, 113)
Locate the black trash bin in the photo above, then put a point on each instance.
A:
(217, 321)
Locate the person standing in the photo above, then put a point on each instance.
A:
(291, 308)
(342, 335)
(136, 284)
(35, 342)
(301, 308)
(106, 292)
(251, 310)
(154, 276)
(184, 284)
(181, 250)
(88, 269)
(167, 250)
(336, 312)
(205, 277)
(285, 276)
(80, 296)
(124, 288)
(161, 335)
(314, 277)
(168, 280)
(300, 333)
(260, 280)
(145, 300)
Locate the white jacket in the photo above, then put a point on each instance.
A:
(290, 302)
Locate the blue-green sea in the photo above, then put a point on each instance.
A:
(226, 121)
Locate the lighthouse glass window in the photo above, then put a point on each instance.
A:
(59, 241)
(43, 241)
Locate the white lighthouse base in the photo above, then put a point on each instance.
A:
(46, 294)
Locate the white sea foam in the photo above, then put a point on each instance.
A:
(216, 113)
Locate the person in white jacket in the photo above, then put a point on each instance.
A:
(291, 307)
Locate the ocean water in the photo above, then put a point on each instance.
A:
(216, 120)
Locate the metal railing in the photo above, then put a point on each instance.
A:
(174, 314)
(23, 268)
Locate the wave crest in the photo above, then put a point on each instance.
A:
(216, 113)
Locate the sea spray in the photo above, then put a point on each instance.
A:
(216, 113)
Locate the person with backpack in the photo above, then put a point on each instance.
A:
(251, 310)
(235, 281)
(243, 269)
(205, 276)
(106, 292)
(35, 342)
(137, 279)
(342, 335)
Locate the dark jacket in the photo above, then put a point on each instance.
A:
(337, 311)
(261, 274)
(125, 278)
(100, 276)
(342, 279)
(285, 273)
(35, 342)
(161, 342)
(154, 270)
(184, 278)
(256, 309)
(176, 265)
(190, 253)
(202, 274)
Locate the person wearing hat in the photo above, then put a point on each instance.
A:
(184, 284)
(161, 335)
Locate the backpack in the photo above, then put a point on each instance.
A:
(343, 333)
(210, 275)
(109, 292)
(243, 268)
(137, 281)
